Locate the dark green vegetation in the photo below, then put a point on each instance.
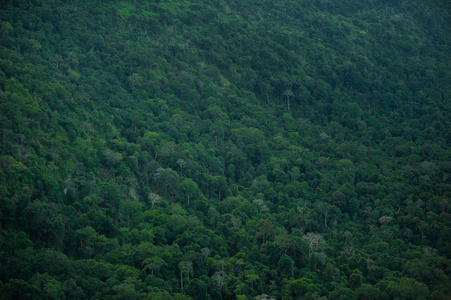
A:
(225, 149)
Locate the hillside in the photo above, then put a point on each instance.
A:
(225, 149)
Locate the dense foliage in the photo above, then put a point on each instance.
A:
(232, 149)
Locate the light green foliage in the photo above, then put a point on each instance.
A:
(124, 9)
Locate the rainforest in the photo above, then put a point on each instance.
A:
(225, 149)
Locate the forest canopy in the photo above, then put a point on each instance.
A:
(231, 149)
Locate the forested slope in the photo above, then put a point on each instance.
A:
(225, 149)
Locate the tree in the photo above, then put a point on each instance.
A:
(286, 264)
(49, 287)
(304, 216)
(186, 267)
(154, 199)
(219, 183)
(182, 163)
(355, 280)
(197, 288)
(294, 174)
(130, 211)
(261, 205)
(19, 288)
(266, 230)
(126, 290)
(189, 188)
(315, 242)
(160, 295)
(168, 179)
(150, 140)
(154, 264)
(408, 288)
(135, 81)
(288, 94)
(220, 279)
(252, 278)
(299, 287)
(324, 209)
(370, 292)
(44, 221)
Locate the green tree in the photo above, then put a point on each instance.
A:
(186, 267)
(407, 288)
(315, 242)
(168, 179)
(266, 231)
(189, 188)
(220, 279)
(154, 199)
(154, 264)
(251, 278)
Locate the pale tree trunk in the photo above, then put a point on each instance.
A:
(181, 280)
